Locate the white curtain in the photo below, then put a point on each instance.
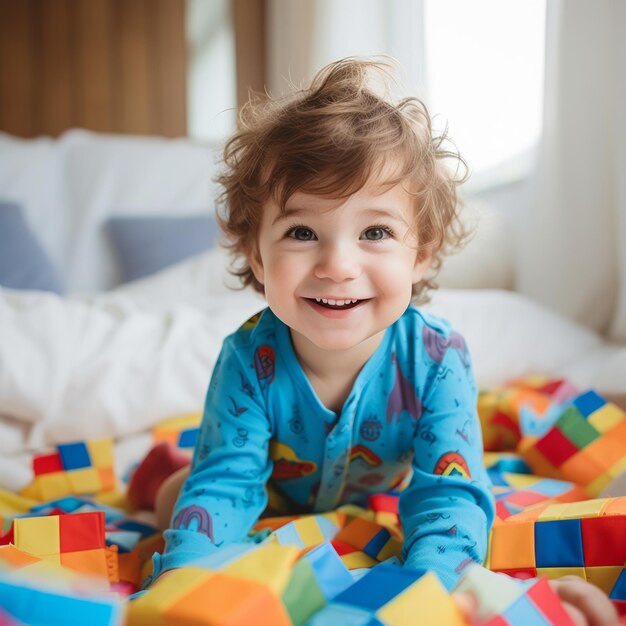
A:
(573, 252)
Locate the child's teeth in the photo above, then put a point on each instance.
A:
(335, 302)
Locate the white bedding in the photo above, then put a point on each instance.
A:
(116, 364)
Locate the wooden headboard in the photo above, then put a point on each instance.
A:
(115, 66)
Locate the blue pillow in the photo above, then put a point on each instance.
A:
(145, 245)
(23, 262)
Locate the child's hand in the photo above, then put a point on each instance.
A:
(587, 604)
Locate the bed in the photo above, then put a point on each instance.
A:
(94, 368)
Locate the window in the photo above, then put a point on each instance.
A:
(484, 76)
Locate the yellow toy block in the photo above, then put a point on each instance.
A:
(603, 577)
(436, 606)
(52, 486)
(38, 536)
(309, 531)
(170, 588)
(101, 452)
(583, 508)
(606, 417)
(553, 511)
(12, 503)
(597, 486)
(358, 559)
(615, 506)
(513, 546)
(229, 601)
(521, 481)
(393, 547)
(269, 564)
(558, 572)
(85, 480)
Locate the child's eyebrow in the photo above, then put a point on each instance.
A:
(387, 214)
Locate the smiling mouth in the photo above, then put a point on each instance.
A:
(336, 305)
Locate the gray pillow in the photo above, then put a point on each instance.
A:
(145, 245)
(23, 262)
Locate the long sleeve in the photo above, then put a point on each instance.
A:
(447, 509)
(225, 492)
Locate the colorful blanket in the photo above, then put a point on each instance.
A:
(73, 551)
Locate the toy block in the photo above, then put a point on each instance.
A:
(332, 575)
(618, 592)
(558, 572)
(618, 432)
(357, 560)
(524, 611)
(552, 488)
(606, 451)
(309, 530)
(494, 592)
(606, 417)
(81, 531)
(86, 480)
(38, 536)
(428, 596)
(378, 587)
(106, 476)
(559, 544)
(93, 562)
(555, 447)
(548, 603)
(168, 589)
(303, 596)
(538, 462)
(581, 469)
(615, 506)
(512, 546)
(52, 486)
(228, 601)
(583, 508)
(16, 558)
(599, 485)
(604, 540)
(603, 577)
(334, 614)
(47, 463)
(588, 402)
(520, 574)
(101, 452)
(525, 498)
(576, 428)
(188, 438)
(270, 564)
(74, 455)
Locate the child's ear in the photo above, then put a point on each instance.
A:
(422, 265)
(256, 264)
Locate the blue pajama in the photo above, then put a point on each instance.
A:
(410, 418)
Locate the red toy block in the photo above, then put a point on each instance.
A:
(556, 447)
(604, 540)
(81, 531)
(47, 464)
(547, 601)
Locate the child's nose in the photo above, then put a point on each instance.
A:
(338, 262)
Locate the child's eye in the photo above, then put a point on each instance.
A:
(301, 233)
(376, 233)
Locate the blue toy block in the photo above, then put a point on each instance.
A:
(74, 456)
(333, 614)
(332, 576)
(589, 402)
(376, 543)
(559, 543)
(188, 438)
(551, 487)
(52, 608)
(378, 587)
(619, 588)
(523, 611)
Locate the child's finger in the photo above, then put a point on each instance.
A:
(592, 602)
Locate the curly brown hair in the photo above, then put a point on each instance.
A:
(328, 139)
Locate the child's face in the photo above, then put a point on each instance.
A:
(359, 252)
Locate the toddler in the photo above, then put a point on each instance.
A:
(338, 205)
